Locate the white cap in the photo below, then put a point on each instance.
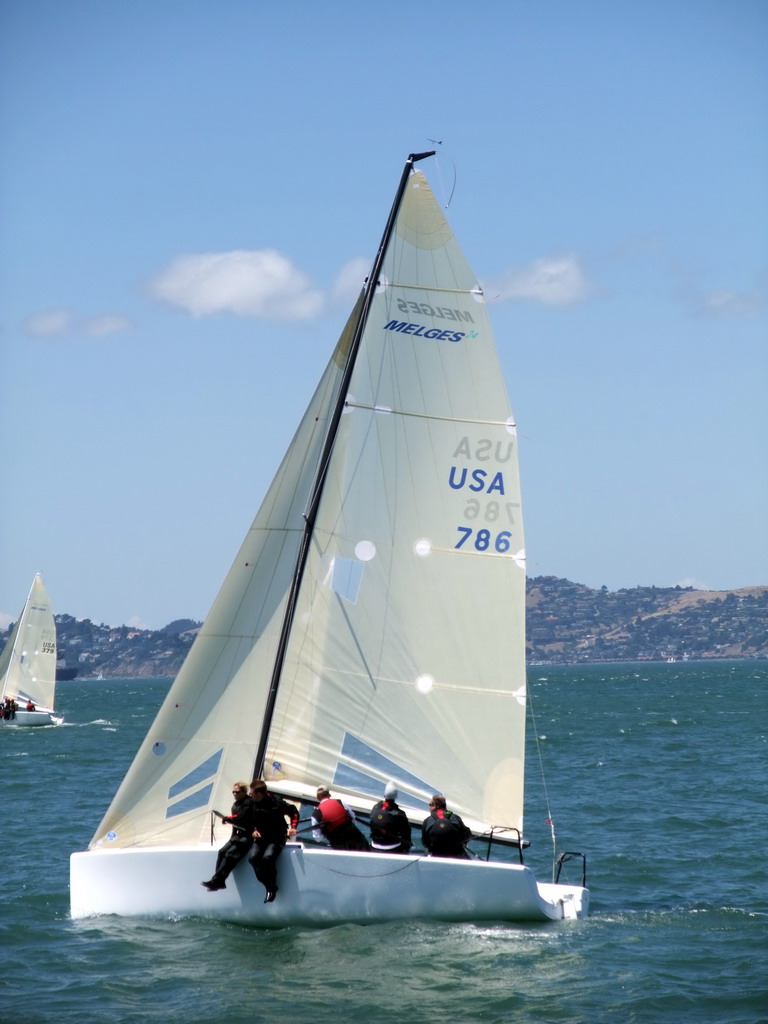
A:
(390, 791)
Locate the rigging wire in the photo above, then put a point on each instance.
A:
(438, 153)
(550, 819)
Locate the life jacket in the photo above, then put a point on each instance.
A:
(333, 814)
(384, 822)
(444, 834)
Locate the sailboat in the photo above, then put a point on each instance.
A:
(28, 663)
(370, 630)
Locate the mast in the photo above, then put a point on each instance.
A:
(324, 461)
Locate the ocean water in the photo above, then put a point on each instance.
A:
(658, 772)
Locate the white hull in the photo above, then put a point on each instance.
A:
(38, 717)
(317, 887)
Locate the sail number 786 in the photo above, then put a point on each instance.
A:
(484, 540)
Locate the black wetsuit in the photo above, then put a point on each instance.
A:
(239, 843)
(269, 816)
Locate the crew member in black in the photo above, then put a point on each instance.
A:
(270, 832)
(443, 833)
(390, 828)
(239, 843)
(334, 821)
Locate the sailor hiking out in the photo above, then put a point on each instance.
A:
(239, 843)
(270, 832)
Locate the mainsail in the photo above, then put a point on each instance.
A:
(28, 661)
(405, 658)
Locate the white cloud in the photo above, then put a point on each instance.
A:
(51, 323)
(247, 283)
(729, 303)
(553, 282)
(350, 279)
(137, 622)
(101, 326)
(63, 323)
(696, 584)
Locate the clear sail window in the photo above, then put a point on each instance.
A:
(343, 576)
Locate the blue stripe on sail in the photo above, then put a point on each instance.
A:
(356, 750)
(203, 771)
(193, 802)
(346, 777)
(349, 778)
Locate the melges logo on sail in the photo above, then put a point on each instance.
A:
(420, 330)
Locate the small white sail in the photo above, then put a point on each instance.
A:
(28, 661)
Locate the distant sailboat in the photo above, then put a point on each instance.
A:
(371, 629)
(28, 663)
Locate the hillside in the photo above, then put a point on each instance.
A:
(566, 622)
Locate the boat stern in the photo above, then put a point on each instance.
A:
(569, 902)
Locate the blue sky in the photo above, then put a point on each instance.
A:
(188, 188)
